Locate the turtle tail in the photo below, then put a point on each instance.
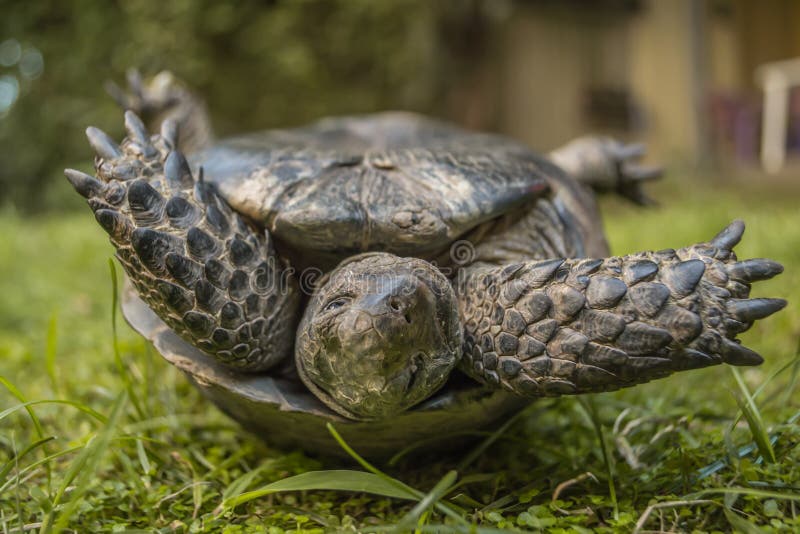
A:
(544, 328)
(206, 272)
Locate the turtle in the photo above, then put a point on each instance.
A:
(397, 274)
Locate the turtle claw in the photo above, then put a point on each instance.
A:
(144, 97)
(635, 193)
(132, 98)
(103, 145)
(177, 171)
(169, 132)
(734, 353)
(86, 186)
(117, 94)
(729, 237)
(123, 171)
(748, 310)
(727, 289)
(632, 175)
(137, 156)
(134, 78)
(139, 134)
(136, 129)
(115, 224)
(623, 152)
(642, 173)
(754, 270)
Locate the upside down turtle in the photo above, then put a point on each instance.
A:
(461, 274)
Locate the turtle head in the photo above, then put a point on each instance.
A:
(380, 334)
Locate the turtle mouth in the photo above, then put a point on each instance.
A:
(422, 373)
(406, 378)
(414, 371)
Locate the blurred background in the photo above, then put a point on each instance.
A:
(681, 75)
(707, 84)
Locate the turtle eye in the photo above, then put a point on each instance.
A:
(335, 304)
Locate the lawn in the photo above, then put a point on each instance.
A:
(107, 444)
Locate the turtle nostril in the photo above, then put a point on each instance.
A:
(395, 304)
(398, 306)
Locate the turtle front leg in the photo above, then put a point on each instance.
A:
(545, 328)
(164, 97)
(607, 165)
(206, 272)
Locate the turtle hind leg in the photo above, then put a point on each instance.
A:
(607, 166)
(545, 328)
(162, 98)
(203, 269)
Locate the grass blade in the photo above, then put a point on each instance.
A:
(82, 407)
(369, 467)
(793, 363)
(17, 455)
(11, 480)
(751, 413)
(447, 510)
(142, 455)
(789, 392)
(36, 423)
(123, 373)
(50, 351)
(739, 524)
(764, 494)
(338, 480)
(475, 453)
(239, 485)
(82, 469)
(591, 410)
(196, 485)
(439, 490)
(25, 404)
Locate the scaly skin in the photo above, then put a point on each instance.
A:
(546, 328)
(199, 265)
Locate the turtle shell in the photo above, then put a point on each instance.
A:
(395, 182)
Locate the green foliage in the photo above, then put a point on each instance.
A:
(682, 455)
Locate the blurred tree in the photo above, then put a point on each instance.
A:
(259, 64)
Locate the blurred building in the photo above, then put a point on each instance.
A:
(678, 74)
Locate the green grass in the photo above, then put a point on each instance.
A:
(94, 450)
